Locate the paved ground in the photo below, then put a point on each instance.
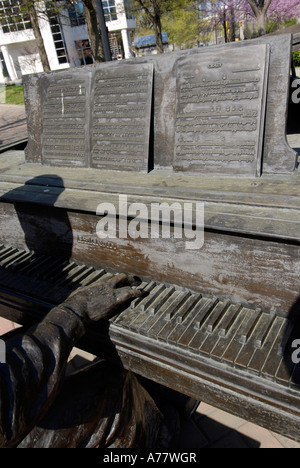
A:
(13, 126)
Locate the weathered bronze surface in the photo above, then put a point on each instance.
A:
(103, 406)
(65, 122)
(278, 157)
(113, 133)
(121, 116)
(219, 321)
(221, 102)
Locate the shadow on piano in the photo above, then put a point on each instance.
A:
(48, 236)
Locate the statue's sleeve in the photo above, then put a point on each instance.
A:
(35, 365)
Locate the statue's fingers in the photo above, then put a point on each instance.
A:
(127, 294)
(122, 279)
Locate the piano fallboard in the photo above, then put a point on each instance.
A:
(232, 355)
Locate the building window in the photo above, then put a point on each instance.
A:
(115, 42)
(110, 11)
(129, 9)
(58, 38)
(76, 14)
(11, 18)
(4, 68)
(84, 52)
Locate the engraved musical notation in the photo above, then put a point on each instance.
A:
(121, 118)
(64, 121)
(220, 111)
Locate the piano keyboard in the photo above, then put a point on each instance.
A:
(233, 334)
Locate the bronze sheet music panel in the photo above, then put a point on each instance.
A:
(221, 101)
(121, 117)
(65, 118)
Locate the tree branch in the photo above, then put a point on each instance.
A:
(254, 7)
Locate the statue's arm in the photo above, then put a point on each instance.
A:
(36, 361)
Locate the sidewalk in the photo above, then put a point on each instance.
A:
(13, 126)
(209, 426)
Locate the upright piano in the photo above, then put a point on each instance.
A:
(185, 130)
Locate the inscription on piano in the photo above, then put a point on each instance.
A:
(64, 119)
(121, 117)
(94, 241)
(220, 111)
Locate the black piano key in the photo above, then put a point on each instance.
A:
(128, 317)
(146, 319)
(57, 268)
(216, 316)
(261, 355)
(213, 338)
(224, 344)
(21, 263)
(13, 265)
(238, 345)
(11, 258)
(187, 307)
(261, 339)
(250, 326)
(204, 339)
(148, 287)
(71, 277)
(80, 277)
(159, 301)
(182, 323)
(205, 312)
(168, 313)
(285, 370)
(131, 319)
(142, 310)
(232, 352)
(50, 265)
(61, 272)
(7, 252)
(176, 305)
(170, 326)
(155, 294)
(154, 323)
(32, 268)
(202, 309)
(257, 324)
(229, 319)
(93, 277)
(275, 356)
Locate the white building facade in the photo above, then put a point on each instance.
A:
(65, 37)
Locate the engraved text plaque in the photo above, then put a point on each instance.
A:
(121, 115)
(221, 100)
(65, 119)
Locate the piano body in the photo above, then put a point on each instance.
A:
(219, 322)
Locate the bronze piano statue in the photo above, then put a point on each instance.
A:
(221, 319)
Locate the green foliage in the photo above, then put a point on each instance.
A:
(296, 57)
(14, 94)
(186, 25)
(177, 17)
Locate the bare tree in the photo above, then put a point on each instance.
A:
(153, 11)
(33, 12)
(260, 9)
(93, 25)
